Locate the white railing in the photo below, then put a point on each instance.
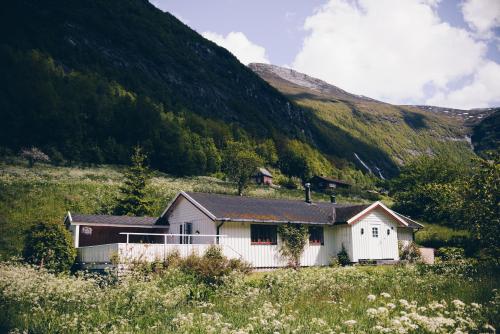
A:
(129, 251)
(186, 238)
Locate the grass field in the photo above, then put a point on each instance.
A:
(46, 193)
(412, 299)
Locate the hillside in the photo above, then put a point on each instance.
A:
(486, 134)
(85, 81)
(45, 193)
(377, 136)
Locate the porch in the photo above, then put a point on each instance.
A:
(122, 254)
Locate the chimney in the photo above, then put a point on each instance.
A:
(333, 198)
(308, 192)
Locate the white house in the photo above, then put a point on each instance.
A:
(246, 228)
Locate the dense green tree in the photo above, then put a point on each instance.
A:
(240, 162)
(481, 205)
(267, 150)
(301, 160)
(429, 188)
(133, 200)
(50, 245)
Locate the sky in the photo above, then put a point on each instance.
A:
(436, 52)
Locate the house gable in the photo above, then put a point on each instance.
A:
(376, 205)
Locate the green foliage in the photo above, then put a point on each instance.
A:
(50, 245)
(486, 137)
(343, 257)
(239, 164)
(311, 300)
(301, 160)
(293, 241)
(437, 236)
(451, 253)
(409, 252)
(481, 206)
(267, 150)
(211, 268)
(133, 200)
(429, 188)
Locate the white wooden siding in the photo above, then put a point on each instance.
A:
(362, 243)
(405, 235)
(342, 236)
(260, 256)
(186, 212)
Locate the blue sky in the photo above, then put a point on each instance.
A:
(439, 52)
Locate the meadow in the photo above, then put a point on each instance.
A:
(46, 193)
(455, 298)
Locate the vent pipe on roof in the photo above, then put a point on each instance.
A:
(307, 187)
(333, 198)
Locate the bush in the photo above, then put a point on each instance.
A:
(451, 253)
(409, 252)
(213, 266)
(50, 245)
(34, 155)
(343, 257)
(210, 268)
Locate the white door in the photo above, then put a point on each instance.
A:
(375, 242)
(388, 240)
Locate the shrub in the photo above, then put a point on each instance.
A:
(343, 257)
(294, 239)
(409, 252)
(50, 245)
(34, 155)
(451, 253)
(213, 266)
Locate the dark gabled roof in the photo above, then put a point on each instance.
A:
(227, 207)
(265, 172)
(113, 220)
(343, 212)
(411, 223)
(327, 179)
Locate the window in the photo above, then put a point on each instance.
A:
(388, 231)
(316, 235)
(188, 229)
(375, 232)
(264, 234)
(362, 231)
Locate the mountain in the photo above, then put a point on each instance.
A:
(86, 81)
(377, 136)
(486, 134)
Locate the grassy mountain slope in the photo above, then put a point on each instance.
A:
(382, 135)
(486, 134)
(45, 193)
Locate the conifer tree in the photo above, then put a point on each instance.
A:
(133, 200)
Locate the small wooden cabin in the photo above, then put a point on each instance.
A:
(263, 176)
(321, 183)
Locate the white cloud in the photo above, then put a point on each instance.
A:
(483, 91)
(393, 50)
(482, 15)
(240, 46)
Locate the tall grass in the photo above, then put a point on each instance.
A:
(45, 192)
(314, 300)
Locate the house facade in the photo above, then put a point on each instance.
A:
(247, 228)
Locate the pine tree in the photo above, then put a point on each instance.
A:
(133, 200)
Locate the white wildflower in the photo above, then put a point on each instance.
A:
(350, 323)
(371, 298)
